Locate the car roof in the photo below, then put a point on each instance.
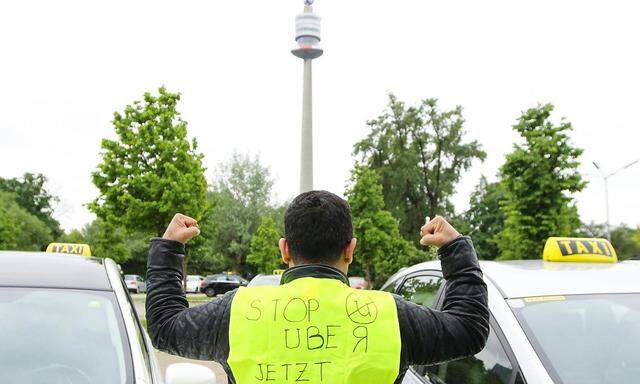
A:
(52, 270)
(267, 276)
(525, 278)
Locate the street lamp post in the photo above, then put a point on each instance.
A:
(308, 48)
(605, 178)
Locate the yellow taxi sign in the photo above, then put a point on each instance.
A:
(577, 249)
(74, 249)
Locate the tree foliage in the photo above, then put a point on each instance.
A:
(30, 193)
(380, 250)
(420, 154)
(625, 239)
(151, 171)
(74, 236)
(19, 229)
(264, 252)
(485, 219)
(106, 239)
(538, 178)
(241, 196)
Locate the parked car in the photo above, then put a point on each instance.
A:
(358, 282)
(69, 319)
(221, 283)
(261, 279)
(193, 283)
(551, 321)
(135, 283)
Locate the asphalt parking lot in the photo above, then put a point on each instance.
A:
(165, 359)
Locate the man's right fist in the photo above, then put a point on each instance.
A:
(437, 232)
(181, 228)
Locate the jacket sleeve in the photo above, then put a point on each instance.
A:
(200, 332)
(461, 328)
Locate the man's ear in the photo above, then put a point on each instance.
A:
(284, 251)
(348, 251)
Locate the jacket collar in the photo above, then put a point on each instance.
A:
(313, 270)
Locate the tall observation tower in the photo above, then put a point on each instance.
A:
(308, 48)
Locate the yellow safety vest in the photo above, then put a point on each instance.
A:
(313, 330)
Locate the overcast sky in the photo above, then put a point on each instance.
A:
(66, 66)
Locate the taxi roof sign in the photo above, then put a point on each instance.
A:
(74, 249)
(577, 249)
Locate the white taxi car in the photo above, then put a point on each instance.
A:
(573, 317)
(69, 319)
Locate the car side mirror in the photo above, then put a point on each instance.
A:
(187, 373)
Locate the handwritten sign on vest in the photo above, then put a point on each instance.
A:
(313, 330)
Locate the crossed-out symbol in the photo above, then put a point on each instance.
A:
(361, 309)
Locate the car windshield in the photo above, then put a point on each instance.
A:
(590, 339)
(129, 277)
(265, 280)
(61, 336)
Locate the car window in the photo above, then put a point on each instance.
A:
(59, 335)
(422, 289)
(489, 366)
(392, 286)
(139, 278)
(584, 338)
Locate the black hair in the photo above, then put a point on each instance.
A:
(317, 227)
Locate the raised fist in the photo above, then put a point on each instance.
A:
(181, 228)
(437, 232)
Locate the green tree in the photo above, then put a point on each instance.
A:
(31, 193)
(240, 196)
(73, 236)
(538, 178)
(380, 249)
(151, 171)
(592, 230)
(106, 239)
(420, 154)
(485, 219)
(626, 241)
(264, 252)
(19, 229)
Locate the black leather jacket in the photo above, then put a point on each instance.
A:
(427, 336)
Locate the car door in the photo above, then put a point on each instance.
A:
(495, 364)
(145, 364)
(422, 288)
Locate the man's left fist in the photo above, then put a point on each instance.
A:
(182, 228)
